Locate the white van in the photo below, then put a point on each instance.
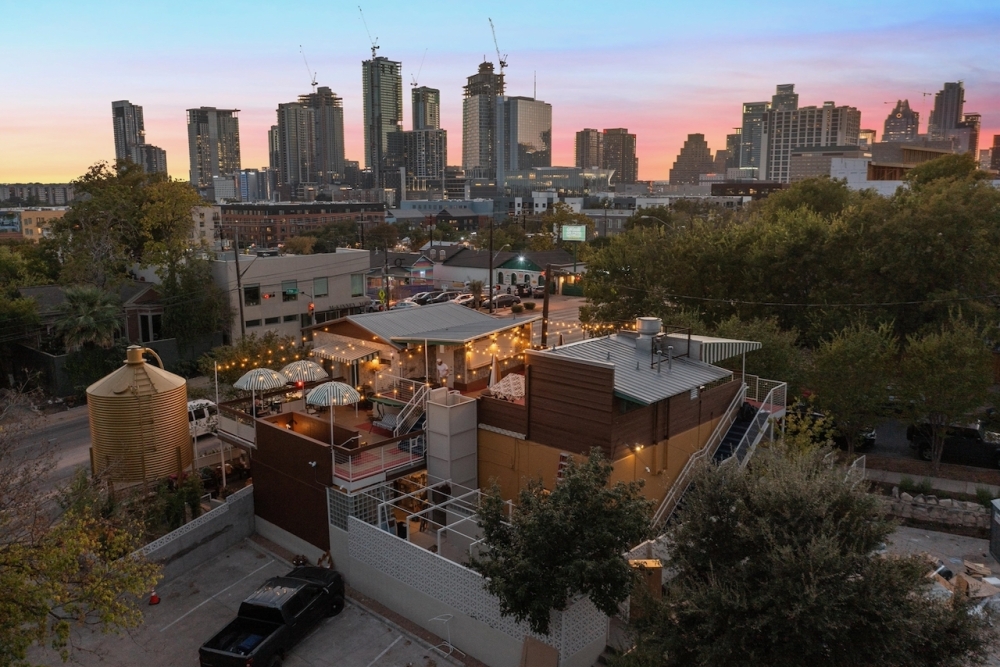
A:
(203, 417)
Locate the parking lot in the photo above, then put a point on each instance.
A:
(201, 602)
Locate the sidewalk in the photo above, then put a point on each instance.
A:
(946, 485)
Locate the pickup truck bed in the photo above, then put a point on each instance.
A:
(241, 637)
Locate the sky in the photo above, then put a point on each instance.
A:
(662, 69)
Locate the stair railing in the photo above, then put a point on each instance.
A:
(761, 424)
(412, 411)
(677, 489)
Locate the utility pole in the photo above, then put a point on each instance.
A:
(491, 266)
(545, 305)
(239, 282)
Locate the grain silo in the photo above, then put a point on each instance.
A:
(138, 422)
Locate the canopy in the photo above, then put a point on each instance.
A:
(333, 393)
(304, 370)
(260, 379)
(344, 352)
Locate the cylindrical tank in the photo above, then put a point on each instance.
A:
(139, 422)
(648, 326)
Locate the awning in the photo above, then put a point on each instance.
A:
(345, 353)
(715, 351)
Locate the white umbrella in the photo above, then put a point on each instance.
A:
(259, 379)
(304, 370)
(331, 394)
(494, 372)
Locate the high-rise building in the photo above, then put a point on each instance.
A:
(273, 147)
(296, 143)
(523, 135)
(902, 124)
(810, 127)
(255, 185)
(985, 158)
(619, 154)
(213, 144)
(785, 98)
(966, 133)
(694, 160)
(479, 122)
(328, 134)
(382, 87)
(751, 133)
(719, 162)
(734, 142)
(426, 107)
(995, 153)
(947, 112)
(589, 148)
(866, 138)
(130, 138)
(130, 131)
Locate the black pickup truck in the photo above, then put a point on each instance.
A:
(275, 618)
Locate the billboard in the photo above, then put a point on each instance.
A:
(574, 232)
(10, 222)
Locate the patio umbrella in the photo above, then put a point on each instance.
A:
(260, 379)
(304, 370)
(331, 394)
(494, 372)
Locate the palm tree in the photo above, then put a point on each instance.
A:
(476, 290)
(88, 316)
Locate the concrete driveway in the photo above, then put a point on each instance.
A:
(198, 604)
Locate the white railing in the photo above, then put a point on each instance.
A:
(412, 412)
(761, 424)
(677, 489)
(395, 387)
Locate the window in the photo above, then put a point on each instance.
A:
(291, 318)
(289, 290)
(251, 295)
(320, 287)
(252, 323)
(272, 320)
(499, 278)
(150, 327)
(357, 284)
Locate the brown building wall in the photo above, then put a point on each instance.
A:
(570, 404)
(287, 491)
(502, 414)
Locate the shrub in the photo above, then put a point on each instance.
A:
(984, 496)
(517, 308)
(529, 305)
(907, 485)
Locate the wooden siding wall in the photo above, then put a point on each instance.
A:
(685, 414)
(570, 404)
(503, 414)
(287, 491)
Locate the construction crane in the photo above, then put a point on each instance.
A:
(419, 70)
(373, 41)
(312, 74)
(502, 60)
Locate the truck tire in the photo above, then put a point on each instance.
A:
(336, 606)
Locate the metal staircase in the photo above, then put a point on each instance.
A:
(412, 418)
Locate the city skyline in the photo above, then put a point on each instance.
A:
(642, 78)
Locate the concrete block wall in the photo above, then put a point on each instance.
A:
(944, 510)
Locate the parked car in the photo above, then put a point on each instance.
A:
(275, 618)
(203, 417)
(868, 434)
(374, 306)
(505, 300)
(402, 305)
(964, 444)
(445, 296)
(422, 298)
(538, 292)
(466, 300)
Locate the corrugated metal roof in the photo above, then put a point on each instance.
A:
(709, 349)
(418, 324)
(634, 379)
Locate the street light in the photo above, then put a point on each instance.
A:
(653, 217)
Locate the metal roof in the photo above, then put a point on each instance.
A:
(635, 380)
(443, 322)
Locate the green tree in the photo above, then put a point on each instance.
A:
(124, 217)
(476, 290)
(823, 195)
(779, 357)
(88, 317)
(776, 564)
(944, 376)
(193, 305)
(267, 351)
(300, 245)
(61, 567)
(343, 234)
(561, 543)
(947, 167)
(852, 371)
(381, 237)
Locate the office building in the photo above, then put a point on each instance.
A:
(808, 127)
(382, 87)
(694, 160)
(213, 144)
(130, 138)
(426, 108)
(866, 139)
(267, 225)
(296, 142)
(37, 194)
(327, 135)
(734, 143)
(948, 110)
(256, 184)
(273, 147)
(751, 133)
(523, 134)
(785, 98)
(619, 154)
(995, 153)
(966, 134)
(479, 122)
(902, 124)
(985, 158)
(815, 162)
(589, 148)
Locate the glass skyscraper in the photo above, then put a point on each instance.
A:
(213, 144)
(479, 122)
(382, 86)
(523, 134)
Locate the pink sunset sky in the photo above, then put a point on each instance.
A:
(661, 69)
